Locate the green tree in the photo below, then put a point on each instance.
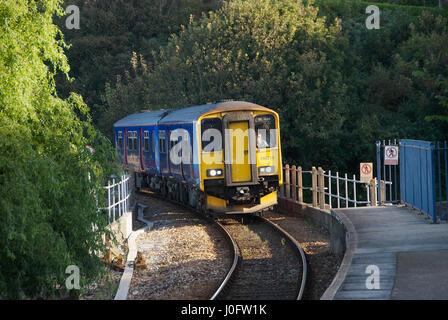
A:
(277, 54)
(110, 31)
(49, 181)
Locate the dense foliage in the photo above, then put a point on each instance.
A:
(48, 207)
(337, 85)
(110, 31)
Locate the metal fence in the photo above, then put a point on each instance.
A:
(417, 179)
(327, 190)
(118, 198)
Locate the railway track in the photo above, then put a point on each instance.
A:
(268, 263)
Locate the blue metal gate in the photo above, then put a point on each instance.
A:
(418, 176)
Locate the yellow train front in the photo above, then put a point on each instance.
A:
(249, 158)
(223, 157)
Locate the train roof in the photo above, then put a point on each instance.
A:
(141, 118)
(190, 114)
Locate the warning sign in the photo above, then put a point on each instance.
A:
(366, 172)
(391, 155)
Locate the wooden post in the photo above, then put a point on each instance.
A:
(373, 193)
(282, 187)
(287, 184)
(300, 184)
(383, 192)
(314, 185)
(321, 188)
(294, 182)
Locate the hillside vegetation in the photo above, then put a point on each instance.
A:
(48, 178)
(337, 85)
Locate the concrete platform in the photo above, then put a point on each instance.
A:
(407, 253)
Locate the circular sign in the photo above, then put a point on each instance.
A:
(366, 168)
(391, 155)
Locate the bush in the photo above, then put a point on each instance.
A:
(48, 203)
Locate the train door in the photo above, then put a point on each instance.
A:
(240, 149)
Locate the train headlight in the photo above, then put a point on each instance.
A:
(266, 170)
(214, 172)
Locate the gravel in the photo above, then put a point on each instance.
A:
(186, 256)
(315, 241)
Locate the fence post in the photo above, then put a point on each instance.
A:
(373, 193)
(329, 189)
(119, 198)
(108, 201)
(123, 193)
(113, 197)
(346, 191)
(287, 183)
(368, 194)
(321, 188)
(337, 189)
(354, 189)
(300, 184)
(294, 182)
(314, 185)
(383, 192)
(282, 187)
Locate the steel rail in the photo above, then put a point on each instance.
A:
(236, 260)
(236, 250)
(302, 255)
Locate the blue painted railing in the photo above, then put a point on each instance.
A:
(418, 176)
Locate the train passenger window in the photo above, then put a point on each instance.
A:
(162, 146)
(211, 129)
(135, 141)
(265, 131)
(120, 140)
(146, 141)
(132, 140)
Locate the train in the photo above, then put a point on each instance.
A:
(219, 158)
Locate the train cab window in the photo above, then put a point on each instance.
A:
(265, 131)
(120, 140)
(210, 135)
(146, 141)
(162, 138)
